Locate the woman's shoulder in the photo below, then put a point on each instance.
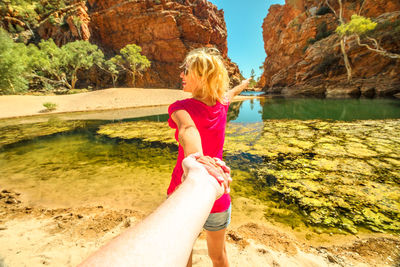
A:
(179, 104)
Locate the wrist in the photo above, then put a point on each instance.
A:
(201, 180)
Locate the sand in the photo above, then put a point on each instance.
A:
(38, 236)
(109, 99)
(114, 98)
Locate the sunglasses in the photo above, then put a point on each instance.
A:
(185, 71)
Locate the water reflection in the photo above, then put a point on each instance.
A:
(248, 111)
(256, 110)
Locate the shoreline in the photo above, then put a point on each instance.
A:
(39, 235)
(20, 106)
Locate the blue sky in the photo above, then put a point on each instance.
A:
(243, 22)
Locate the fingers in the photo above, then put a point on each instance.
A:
(222, 164)
(214, 172)
(226, 170)
(247, 81)
(218, 169)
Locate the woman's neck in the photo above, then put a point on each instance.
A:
(208, 101)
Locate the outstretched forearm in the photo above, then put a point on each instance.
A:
(190, 140)
(238, 89)
(166, 237)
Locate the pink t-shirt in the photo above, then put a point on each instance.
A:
(210, 121)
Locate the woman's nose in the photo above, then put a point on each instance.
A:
(181, 75)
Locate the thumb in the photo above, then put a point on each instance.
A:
(190, 162)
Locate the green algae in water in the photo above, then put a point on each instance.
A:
(145, 130)
(82, 168)
(16, 133)
(334, 175)
(334, 182)
(322, 173)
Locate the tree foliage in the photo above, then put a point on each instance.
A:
(31, 11)
(252, 73)
(360, 27)
(357, 25)
(13, 65)
(131, 60)
(49, 66)
(55, 66)
(79, 55)
(323, 10)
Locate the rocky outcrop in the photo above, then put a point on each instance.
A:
(304, 56)
(66, 25)
(166, 30)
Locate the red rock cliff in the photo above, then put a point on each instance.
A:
(166, 30)
(303, 51)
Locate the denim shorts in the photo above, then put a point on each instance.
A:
(218, 221)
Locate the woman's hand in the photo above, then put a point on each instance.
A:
(238, 89)
(245, 83)
(191, 165)
(218, 169)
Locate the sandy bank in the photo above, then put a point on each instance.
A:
(37, 236)
(108, 99)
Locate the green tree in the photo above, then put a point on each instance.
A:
(57, 66)
(47, 62)
(359, 26)
(79, 55)
(252, 73)
(112, 69)
(13, 65)
(131, 60)
(342, 39)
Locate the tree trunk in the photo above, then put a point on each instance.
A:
(12, 86)
(343, 47)
(346, 59)
(74, 79)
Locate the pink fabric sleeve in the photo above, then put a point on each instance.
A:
(171, 109)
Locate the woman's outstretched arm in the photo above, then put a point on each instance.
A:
(237, 89)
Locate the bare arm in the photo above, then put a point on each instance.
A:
(166, 237)
(237, 89)
(189, 136)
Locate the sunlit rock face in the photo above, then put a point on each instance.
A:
(304, 56)
(166, 30)
(76, 25)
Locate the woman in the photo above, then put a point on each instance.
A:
(200, 128)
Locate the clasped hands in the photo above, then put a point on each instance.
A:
(214, 166)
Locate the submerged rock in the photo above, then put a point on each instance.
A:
(336, 174)
(16, 133)
(145, 130)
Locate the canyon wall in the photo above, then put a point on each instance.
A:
(304, 56)
(166, 30)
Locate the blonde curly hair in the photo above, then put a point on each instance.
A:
(207, 65)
